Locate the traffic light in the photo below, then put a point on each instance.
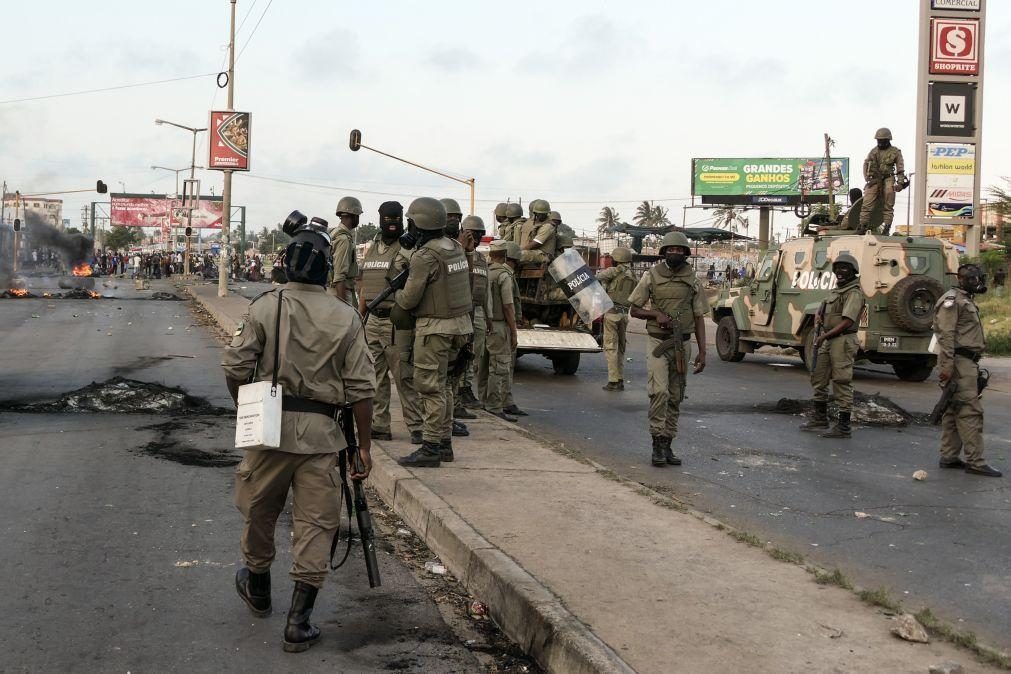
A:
(17, 224)
(355, 141)
(189, 232)
(101, 187)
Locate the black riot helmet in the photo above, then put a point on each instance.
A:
(971, 279)
(307, 257)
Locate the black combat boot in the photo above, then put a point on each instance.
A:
(300, 634)
(254, 588)
(416, 438)
(515, 411)
(427, 456)
(381, 435)
(819, 419)
(461, 412)
(658, 457)
(460, 429)
(668, 453)
(612, 386)
(465, 394)
(841, 428)
(446, 450)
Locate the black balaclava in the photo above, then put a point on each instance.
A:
(844, 273)
(391, 221)
(453, 225)
(883, 144)
(674, 258)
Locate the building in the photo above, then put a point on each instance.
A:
(50, 210)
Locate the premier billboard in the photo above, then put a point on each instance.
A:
(228, 148)
(767, 180)
(145, 210)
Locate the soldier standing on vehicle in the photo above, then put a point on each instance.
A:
(960, 337)
(390, 347)
(345, 259)
(513, 215)
(502, 337)
(438, 295)
(678, 305)
(500, 218)
(322, 363)
(473, 232)
(885, 174)
(618, 282)
(836, 346)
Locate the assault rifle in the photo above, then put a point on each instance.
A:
(359, 503)
(820, 323)
(947, 394)
(392, 285)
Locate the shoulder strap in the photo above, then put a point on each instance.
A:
(277, 345)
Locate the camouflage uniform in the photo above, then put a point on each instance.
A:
(680, 295)
(880, 169)
(959, 335)
(836, 356)
(499, 344)
(618, 282)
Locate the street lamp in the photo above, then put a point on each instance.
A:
(176, 171)
(356, 144)
(909, 203)
(193, 167)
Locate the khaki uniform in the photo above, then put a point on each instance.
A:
(880, 169)
(544, 234)
(505, 231)
(345, 263)
(959, 333)
(499, 344)
(680, 295)
(438, 295)
(518, 313)
(618, 282)
(479, 293)
(390, 347)
(323, 357)
(836, 356)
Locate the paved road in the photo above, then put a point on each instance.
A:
(100, 510)
(944, 542)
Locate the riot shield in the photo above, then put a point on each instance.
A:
(580, 286)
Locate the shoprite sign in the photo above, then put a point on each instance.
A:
(767, 177)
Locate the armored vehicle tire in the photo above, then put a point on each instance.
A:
(565, 363)
(911, 302)
(728, 340)
(913, 370)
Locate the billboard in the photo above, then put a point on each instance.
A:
(228, 148)
(952, 109)
(960, 5)
(145, 210)
(951, 171)
(767, 180)
(954, 46)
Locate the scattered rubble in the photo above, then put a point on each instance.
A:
(910, 629)
(166, 297)
(121, 396)
(868, 409)
(920, 475)
(948, 667)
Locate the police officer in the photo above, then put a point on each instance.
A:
(885, 174)
(618, 282)
(473, 232)
(323, 362)
(513, 255)
(513, 214)
(959, 335)
(836, 342)
(502, 337)
(438, 295)
(390, 348)
(560, 228)
(454, 216)
(538, 234)
(678, 305)
(345, 260)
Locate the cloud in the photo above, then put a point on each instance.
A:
(333, 55)
(592, 43)
(454, 59)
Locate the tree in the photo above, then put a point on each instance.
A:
(269, 240)
(660, 218)
(607, 221)
(365, 232)
(644, 214)
(728, 218)
(121, 238)
(72, 230)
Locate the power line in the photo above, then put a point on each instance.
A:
(253, 32)
(104, 89)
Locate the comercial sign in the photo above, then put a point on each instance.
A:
(129, 210)
(951, 171)
(767, 180)
(954, 46)
(952, 109)
(228, 149)
(960, 5)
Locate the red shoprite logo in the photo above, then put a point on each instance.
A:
(955, 47)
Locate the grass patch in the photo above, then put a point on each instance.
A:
(836, 577)
(750, 539)
(786, 556)
(880, 597)
(964, 638)
(995, 312)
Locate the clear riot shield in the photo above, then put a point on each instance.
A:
(585, 293)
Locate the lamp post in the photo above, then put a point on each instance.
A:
(356, 144)
(193, 168)
(909, 204)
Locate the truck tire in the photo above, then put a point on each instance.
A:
(913, 370)
(728, 340)
(911, 302)
(565, 363)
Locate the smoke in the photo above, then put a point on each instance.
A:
(75, 248)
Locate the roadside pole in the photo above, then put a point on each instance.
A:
(224, 260)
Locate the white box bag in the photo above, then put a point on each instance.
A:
(258, 419)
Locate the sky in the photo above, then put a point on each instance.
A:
(584, 103)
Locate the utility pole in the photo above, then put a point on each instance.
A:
(224, 261)
(831, 187)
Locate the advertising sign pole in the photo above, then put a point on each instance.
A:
(223, 253)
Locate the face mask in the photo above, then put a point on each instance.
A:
(453, 226)
(974, 284)
(843, 275)
(409, 239)
(675, 260)
(883, 144)
(392, 229)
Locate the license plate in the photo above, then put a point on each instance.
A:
(889, 342)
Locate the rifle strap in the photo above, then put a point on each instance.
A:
(342, 465)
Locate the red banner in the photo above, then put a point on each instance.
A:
(160, 211)
(228, 148)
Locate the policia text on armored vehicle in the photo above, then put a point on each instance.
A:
(901, 278)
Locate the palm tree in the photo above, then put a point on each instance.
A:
(727, 217)
(644, 214)
(660, 218)
(608, 219)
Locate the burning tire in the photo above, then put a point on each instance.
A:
(77, 283)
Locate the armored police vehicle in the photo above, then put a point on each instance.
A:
(901, 277)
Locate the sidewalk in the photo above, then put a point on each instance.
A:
(590, 573)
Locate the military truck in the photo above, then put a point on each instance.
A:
(901, 277)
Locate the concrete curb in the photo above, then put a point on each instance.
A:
(529, 613)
